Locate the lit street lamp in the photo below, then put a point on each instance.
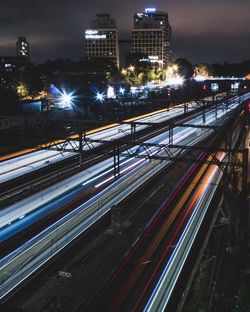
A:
(65, 100)
(100, 97)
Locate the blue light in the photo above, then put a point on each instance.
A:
(100, 97)
(53, 89)
(66, 100)
(121, 91)
(150, 10)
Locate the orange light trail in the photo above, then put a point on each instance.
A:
(75, 136)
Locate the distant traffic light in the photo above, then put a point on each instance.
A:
(204, 87)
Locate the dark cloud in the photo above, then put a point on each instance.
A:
(212, 48)
(208, 31)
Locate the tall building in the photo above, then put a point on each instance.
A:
(22, 47)
(152, 36)
(101, 39)
(9, 64)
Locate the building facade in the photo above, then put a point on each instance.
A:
(10, 64)
(151, 35)
(101, 39)
(22, 47)
(125, 51)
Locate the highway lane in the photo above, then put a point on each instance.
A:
(139, 275)
(16, 167)
(197, 209)
(34, 160)
(100, 174)
(30, 150)
(56, 232)
(23, 261)
(147, 276)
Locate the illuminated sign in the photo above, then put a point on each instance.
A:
(150, 10)
(95, 36)
(111, 93)
(154, 57)
(91, 32)
(214, 87)
(235, 86)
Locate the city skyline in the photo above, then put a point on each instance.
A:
(202, 32)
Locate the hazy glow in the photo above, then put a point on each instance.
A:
(133, 90)
(131, 68)
(200, 78)
(122, 91)
(235, 86)
(111, 93)
(66, 100)
(175, 81)
(150, 10)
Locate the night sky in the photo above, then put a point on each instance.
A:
(203, 30)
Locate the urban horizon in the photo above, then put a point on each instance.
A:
(125, 155)
(192, 39)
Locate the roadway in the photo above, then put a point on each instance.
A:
(28, 161)
(138, 171)
(147, 275)
(18, 166)
(13, 219)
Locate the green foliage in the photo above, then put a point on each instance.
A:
(134, 77)
(202, 70)
(154, 73)
(31, 79)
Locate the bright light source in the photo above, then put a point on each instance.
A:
(99, 97)
(123, 71)
(131, 68)
(175, 67)
(214, 87)
(150, 10)
(111, 93)
(133, 90)
(153, 57)
(121, 91)
(235, 86)
(200, 78)
(175, 81)
(65, 100)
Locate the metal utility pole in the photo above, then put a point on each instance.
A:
(80, 149)
(116, 161)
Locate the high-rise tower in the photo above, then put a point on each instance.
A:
(152, 36)
(101, 39)
(22, 47)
